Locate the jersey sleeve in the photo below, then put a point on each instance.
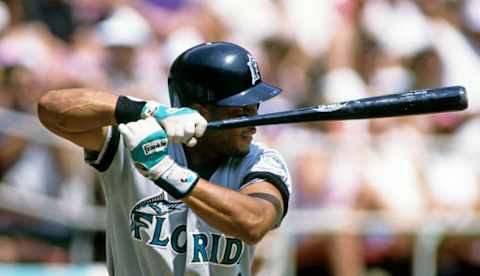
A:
(102, 160)
(272, 168)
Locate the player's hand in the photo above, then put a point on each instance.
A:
(147, 143)
(183, 125)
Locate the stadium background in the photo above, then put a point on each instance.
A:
(372, 197)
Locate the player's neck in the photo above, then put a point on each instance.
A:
(203, 155)
(204, 162)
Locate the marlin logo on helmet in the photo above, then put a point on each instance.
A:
(254, 71)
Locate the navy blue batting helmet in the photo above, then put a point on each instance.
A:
(219, 73)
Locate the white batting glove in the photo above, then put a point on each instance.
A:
(183, 125)
(147, 143)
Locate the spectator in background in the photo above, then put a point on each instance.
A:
(32, 167)
(452, 179)
(56, 14)
(471, 22)
(125, 34)
(393, 167)
(322, 181)
(89, 12)
(32, 61)
(461, 66)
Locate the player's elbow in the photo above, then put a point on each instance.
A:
(46, 107)
(253, 238)
(53, 105)
(254, 229)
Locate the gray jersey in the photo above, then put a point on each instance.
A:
(151, 233)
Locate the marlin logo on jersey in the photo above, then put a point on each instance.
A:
(154, 146)
(150, 214)
(158, 205)
(150, 223)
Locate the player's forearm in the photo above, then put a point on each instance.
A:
(231, 212)
(77, 110)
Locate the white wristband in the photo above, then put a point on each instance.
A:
(177, 181)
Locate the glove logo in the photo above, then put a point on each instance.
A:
(154, 146)
(186, 179)
(149, 109)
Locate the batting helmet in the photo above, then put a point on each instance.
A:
(219, 73)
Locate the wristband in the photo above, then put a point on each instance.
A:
(178, 181)
(128, 110)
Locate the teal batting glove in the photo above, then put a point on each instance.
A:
(182, 125)
(147, 143)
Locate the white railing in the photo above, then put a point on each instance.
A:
(427, 233)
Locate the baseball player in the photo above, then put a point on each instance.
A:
(180, 201)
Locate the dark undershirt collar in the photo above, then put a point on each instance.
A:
(205, 169)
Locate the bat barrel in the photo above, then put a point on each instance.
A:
(443, 99)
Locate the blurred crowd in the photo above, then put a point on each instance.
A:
(318, 52)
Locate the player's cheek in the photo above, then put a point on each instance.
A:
(232, 137)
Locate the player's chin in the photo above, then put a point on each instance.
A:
(241, 152)
(243, 147)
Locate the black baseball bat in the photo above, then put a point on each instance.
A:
(443, 99)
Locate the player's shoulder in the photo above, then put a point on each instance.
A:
(258, 149)
(262, 154)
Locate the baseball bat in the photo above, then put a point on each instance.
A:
(443, 99)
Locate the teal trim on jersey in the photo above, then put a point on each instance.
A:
(151, 150)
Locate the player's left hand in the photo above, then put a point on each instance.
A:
(182, 125)
(147, 143)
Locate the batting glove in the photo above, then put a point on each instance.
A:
(147, 143)
(183, 125)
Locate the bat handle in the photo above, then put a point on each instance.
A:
(214, 125)
(220, 124)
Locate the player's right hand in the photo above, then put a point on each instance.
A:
(182, 125)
